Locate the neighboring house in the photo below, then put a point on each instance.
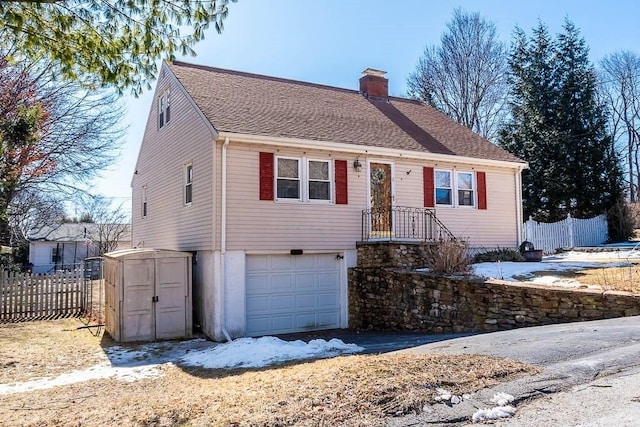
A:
(65, 246)
(271, 182)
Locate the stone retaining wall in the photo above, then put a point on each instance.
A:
(410, 255)
(392, 299)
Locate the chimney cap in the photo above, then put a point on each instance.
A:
(373, 72)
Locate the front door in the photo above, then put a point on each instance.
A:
(381, 199)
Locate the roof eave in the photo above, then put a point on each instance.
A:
(366, 149)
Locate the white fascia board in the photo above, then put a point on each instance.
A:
(366, 150)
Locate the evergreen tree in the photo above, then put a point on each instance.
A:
(558, 126)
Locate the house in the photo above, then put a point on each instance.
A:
(65, 246)
(271, 182)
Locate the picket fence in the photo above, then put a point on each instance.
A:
(26, 297)
(568, 233)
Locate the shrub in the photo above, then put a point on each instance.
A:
(499, 254)
(449, 257)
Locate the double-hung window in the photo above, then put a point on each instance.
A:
(288, 178)
(443, 188)
(454, 188)
(188, 184)
(319, 180)
(164, 109)
(464, 183)
(302, 179)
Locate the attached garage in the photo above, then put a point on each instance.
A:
(292, 293)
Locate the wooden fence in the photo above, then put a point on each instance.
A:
(26, 297)
(568, 233)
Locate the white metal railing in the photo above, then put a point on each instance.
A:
(568, 233)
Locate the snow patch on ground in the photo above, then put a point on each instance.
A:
(148, 361)
(503, 410)
(259, 352)
(567, 261)
(493, 413)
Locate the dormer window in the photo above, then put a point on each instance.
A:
(164, 109)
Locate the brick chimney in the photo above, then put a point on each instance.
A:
(374, 85)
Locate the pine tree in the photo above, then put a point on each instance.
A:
(558, 126)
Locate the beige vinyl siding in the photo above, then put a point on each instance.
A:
(497, 225)
(256, 225)
(170, 224)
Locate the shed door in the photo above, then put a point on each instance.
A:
(287, 293)
(172, 288)
(137, 309)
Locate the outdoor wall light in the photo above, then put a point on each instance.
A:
(357, 165)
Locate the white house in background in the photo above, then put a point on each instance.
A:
(271, 182)
(65, 246)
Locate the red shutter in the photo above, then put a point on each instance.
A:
(428, 187)
(266, 176)
(481, 179)
(342, 193)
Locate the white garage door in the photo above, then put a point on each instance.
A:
(292, 293)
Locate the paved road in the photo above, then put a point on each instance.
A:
(591, 375)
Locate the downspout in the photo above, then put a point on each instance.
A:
(223, 238)
(520, 219)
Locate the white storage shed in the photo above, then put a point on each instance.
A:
(147, 294)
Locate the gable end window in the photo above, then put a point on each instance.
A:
(188, 184)
(144, 201)
(164, 109)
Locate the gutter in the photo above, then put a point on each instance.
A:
(366, 149)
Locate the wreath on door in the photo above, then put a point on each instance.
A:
(378, 176)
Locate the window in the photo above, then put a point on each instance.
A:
(465, 188)
(287, 178)
(319, 181)
(164, 109)
(188, 184)
(144, 201)
(443, 188)
(55, 255)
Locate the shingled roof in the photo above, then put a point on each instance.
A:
(253, 104)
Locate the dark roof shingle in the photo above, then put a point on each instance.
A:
(253, 104)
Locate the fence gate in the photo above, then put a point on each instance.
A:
(30, 297)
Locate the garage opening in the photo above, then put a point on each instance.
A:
(292, 293)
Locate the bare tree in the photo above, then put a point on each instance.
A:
(620, 90)
(465, 76)
(111, 224)
(72, 135)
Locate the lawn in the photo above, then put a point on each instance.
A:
(355, 390)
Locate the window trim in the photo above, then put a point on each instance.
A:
(455, 199)
(303, 180)
(474, 190)
(450, 188)
(187, 187)
(276, 177)
(329, 180)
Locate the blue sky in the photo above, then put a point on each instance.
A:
(331, 42)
